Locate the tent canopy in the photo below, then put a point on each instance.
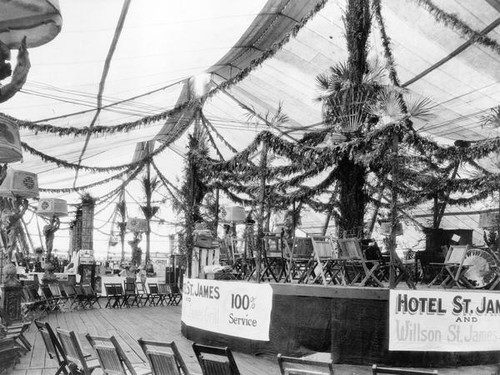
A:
(257, 54)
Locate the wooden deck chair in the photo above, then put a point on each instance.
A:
(363, 269)
(91, 296)
(452, 270)
(304, 366)
(165, 294)
(114, 293)
(73, 297)
(321, 268)
(378, 370)
(164, 358)
(154, 294)
(300, 259)
(112, 358)
(60, 299)
(40, 302)
(142, 293)
(215, 360)
(51, 302)
(78, 360)
(15, 331)
(175, 294)
(9, 354)
(130, 297)
(274, 267)
(53, 346)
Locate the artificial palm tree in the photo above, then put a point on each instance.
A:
(149, 186)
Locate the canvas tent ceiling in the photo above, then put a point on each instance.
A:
(162, 44)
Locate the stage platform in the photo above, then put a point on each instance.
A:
(351, 323)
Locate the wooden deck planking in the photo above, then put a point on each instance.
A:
(160, 323)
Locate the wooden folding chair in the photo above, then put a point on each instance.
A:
(452, 270)
(15, 331)
(215, 360)
(112, 358)
(274, 267)
(154, 294)
(164, 358)
(53, 346)
(10, 352)
(142, 293)
(91, 296)
(78, 360)
(114, 292)
(321, 269)
(59, 298)
(304, 366)
(51, 301)
(378, 370)
(130, 297)
(300, 259)
(363, 269)
(175, 296)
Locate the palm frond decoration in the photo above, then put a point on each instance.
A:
(388, 107)
(273, 119)
(419, 107)
(492, 119)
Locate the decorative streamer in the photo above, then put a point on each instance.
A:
(125, 127)
(98, 183)
(453, 22)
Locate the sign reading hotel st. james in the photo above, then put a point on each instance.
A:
(229, 307)
(444, 320)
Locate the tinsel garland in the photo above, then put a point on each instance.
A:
(211, 139)
(223, 140)
(98, 183)
(386, 43)
(167, 184)
(62, 163)
(254, 64)
(457, 24)
(65, 164)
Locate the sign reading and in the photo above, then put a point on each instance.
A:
(231, 308)
(452, 320)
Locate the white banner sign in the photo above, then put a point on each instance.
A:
(444, 320)
(231, 308)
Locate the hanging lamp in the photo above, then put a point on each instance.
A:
(39, 20)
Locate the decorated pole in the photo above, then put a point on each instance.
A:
(394, 211)
(262, 206)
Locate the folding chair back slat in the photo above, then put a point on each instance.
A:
(303, 366)
(111, 356)
(53, 346)
(456, 255)
(164, 357)
(74, 351)
(377, 370)
(302, 247)
(109, 359)
(215, 360)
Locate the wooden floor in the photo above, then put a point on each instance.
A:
(160, 323)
